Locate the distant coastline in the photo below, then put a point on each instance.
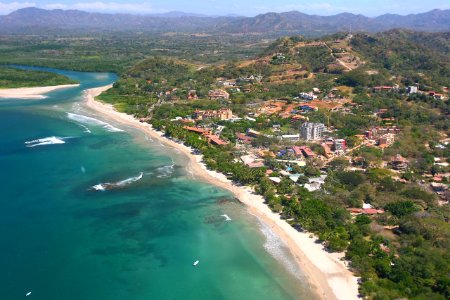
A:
(326, 272)
(32, 92)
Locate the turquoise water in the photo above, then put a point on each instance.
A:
(61, 239)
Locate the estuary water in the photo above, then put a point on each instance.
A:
(91, 209)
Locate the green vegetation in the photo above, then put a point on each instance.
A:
(408, 54)
(17, 78)
(400, 251)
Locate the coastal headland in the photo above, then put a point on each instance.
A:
(327, 272)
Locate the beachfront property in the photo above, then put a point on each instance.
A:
(312, 131)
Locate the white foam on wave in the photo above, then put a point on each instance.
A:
(92, 121)
(166, 171)
(278, 249)
(53, 140)
(130, 180)
(108, 186)
(86, 129)
(99, 187)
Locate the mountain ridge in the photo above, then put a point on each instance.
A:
(291, 22)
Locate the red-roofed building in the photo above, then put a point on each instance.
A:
(365, 211)
(307, 152)
(197, 130)
(215, 140)
(244, 138)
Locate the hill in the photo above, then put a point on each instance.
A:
(35, 20)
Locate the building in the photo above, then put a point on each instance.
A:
(218, 94)
(222, 114)
(399, 163)
(340, 145)
(290, 137)
(386, 140)
(192, 95)
(312, 131)
(308, 96)
(412, 89)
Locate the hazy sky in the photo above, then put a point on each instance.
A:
(240, 7)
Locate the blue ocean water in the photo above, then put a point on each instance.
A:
(137, 239)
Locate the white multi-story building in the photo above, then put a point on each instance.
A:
(312, 131)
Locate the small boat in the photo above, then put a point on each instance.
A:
(195, 263)
(28, 294)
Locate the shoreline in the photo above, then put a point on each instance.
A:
(326, 273)
(33, 92)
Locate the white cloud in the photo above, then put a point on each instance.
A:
(98, 6)
(6, 8)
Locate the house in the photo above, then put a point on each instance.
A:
(307, 152)
(339, 145)
(253, 133)
(316, 183)
(218, 95)
(384, 88)
(215, 140)
(312, 131)
(192, 95)
(240, 137)
(297, 151)
(290, 137)
(197, 130)
(308, 108)
(386, 140)
(365, 211)
(412, 89)
(399, 163)
(308, 96)
(251, 161)
(222, 114)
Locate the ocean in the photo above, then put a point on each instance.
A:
(91, 209)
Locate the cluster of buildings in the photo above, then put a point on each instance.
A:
(382, 136)
(221, 114)
(218, 95)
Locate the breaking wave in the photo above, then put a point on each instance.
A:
(277, 248)
(53, 140)
(92, 121)
(119, 184)
(165, 171)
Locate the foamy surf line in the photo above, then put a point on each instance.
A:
(53, 140)
(275, 246)
(109, 186)
(92, 121)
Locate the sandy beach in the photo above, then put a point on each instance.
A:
(32, 92)
(326, 272)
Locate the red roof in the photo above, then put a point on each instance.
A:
(243, 137)
(297, 150)
(196, 129)
(308, 152)
(215, 139)
(367, 211)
